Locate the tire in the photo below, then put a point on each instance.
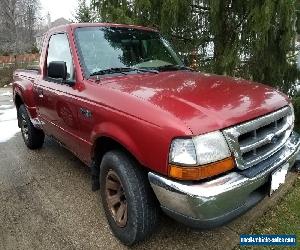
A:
(142, 207)
(33, 137)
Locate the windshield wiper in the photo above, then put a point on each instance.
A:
(122, 70)
(174, 67)
(107, 71)
(144, 70)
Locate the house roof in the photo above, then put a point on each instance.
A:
(57, 22)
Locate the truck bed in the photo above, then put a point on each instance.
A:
(29, 74)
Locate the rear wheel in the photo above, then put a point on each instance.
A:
(33, 137)
(128, 200)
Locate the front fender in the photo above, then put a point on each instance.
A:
(118, 134)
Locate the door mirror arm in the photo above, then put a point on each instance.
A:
(70, 83)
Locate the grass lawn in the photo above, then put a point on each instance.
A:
(281, 219)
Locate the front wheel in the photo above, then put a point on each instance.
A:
(128, 200)
(33, 137)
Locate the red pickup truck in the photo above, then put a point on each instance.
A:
(157, 135)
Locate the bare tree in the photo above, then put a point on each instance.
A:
(18, 25)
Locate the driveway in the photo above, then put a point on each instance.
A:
(46, 202)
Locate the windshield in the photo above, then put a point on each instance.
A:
(103, 48)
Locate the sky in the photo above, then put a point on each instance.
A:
(58, 8)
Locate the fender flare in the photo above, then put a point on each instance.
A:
(118, 134)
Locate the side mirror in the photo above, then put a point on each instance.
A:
(57, 70)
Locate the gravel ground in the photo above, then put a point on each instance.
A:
(46, 202)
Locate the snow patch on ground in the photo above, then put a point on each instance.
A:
(8, 114)
(6, 106)
(7, 93)
(8, 122)
(8, 130)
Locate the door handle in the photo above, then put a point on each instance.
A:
(40, 92)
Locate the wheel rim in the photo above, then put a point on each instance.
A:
(115, 198)
(24, 127)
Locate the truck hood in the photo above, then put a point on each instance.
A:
(204, 102)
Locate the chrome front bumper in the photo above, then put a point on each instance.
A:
(216, 202)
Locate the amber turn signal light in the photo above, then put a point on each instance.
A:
(201, 172)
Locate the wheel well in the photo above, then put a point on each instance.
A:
(105, 144)
(18, 101)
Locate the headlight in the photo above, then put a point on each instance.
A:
(211, 147)
(200, 157)
(183, 152)
(199, 150)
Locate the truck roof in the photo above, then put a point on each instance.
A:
(80, 25)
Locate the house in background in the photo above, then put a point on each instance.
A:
(40, 35)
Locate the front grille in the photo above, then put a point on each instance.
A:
(255, 141)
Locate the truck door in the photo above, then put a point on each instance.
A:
(58, 103)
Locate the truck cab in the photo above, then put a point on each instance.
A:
(156, 134)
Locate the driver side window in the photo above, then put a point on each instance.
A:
(59, 50)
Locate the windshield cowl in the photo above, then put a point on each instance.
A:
(123, 70)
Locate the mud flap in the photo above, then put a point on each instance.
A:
(95, 172)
